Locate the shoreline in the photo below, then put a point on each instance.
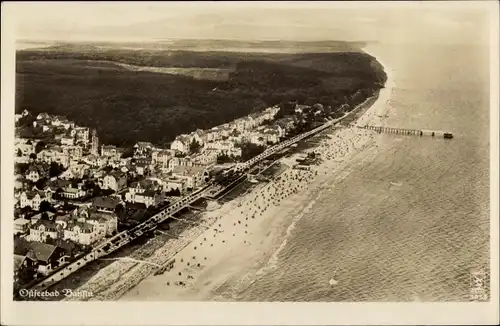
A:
(246, 234)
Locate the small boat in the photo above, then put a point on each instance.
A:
(448, 135)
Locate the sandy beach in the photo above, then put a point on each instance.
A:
(241, 239)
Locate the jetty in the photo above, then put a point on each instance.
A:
(410, 132)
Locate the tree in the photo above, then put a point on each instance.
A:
(224, 158)
(50, 241)
(25, 275)
(68, 207)
(45, 206)
(55, 169)
(58, 193)
(173, 192)
(21, 168)
(33, 156)
(74, 183)
(194, 146)
(40, 184)
(120, 212)
(26, 211)
(88, 185)
(107, 192)
(39, 147)
(26, 121)
(97, 191)
(44, 216)
(129, 152)
(180, 154)
(249, 150)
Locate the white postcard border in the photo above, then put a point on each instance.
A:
(154, 313)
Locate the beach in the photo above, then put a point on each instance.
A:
(240, 240)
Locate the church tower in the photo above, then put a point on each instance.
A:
(94, 150)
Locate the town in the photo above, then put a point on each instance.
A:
(72, 193)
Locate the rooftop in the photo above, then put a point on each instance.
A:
(107, 202)
(21, 221)
(71, 190)
(188, 170)
(42, 251)
(147, 193)
(49, 225)
(84, 226)
(143, 144)
(18, 261)
(32, 194)
(117, 174)
(183, 138)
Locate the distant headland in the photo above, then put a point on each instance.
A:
(154, 91)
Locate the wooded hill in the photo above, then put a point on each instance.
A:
(126, 106)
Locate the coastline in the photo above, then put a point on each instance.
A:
(376, 113)
(244, 241)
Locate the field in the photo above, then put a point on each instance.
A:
(154, 95)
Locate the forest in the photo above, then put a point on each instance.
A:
(127, 106)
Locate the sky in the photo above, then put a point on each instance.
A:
(250, 21)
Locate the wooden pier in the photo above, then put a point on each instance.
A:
(410, 132)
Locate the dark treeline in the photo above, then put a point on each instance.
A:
(127, 106)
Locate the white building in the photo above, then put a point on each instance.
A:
(163, 157)
(43, 229)
(24, 147)
(34, 173)
(34, 198)
(95, 160)
(77, 171)
(106, 224)
(73, 152)
(142, 149)
(271, 136)
(114, 181)
(109, 150)
(193, 176)
(258, 138)
(148, 198)
(67, 141)
(81, 232)
(235, 152)
(181, 144)
(224, 147)
(21, 226)
(175, 183)
(54, 154)
(82, 135)
(73, 193)
(43, 116)
(207, 158)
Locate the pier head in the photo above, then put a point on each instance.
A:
(410, 132)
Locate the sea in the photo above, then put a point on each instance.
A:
(409, 220)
